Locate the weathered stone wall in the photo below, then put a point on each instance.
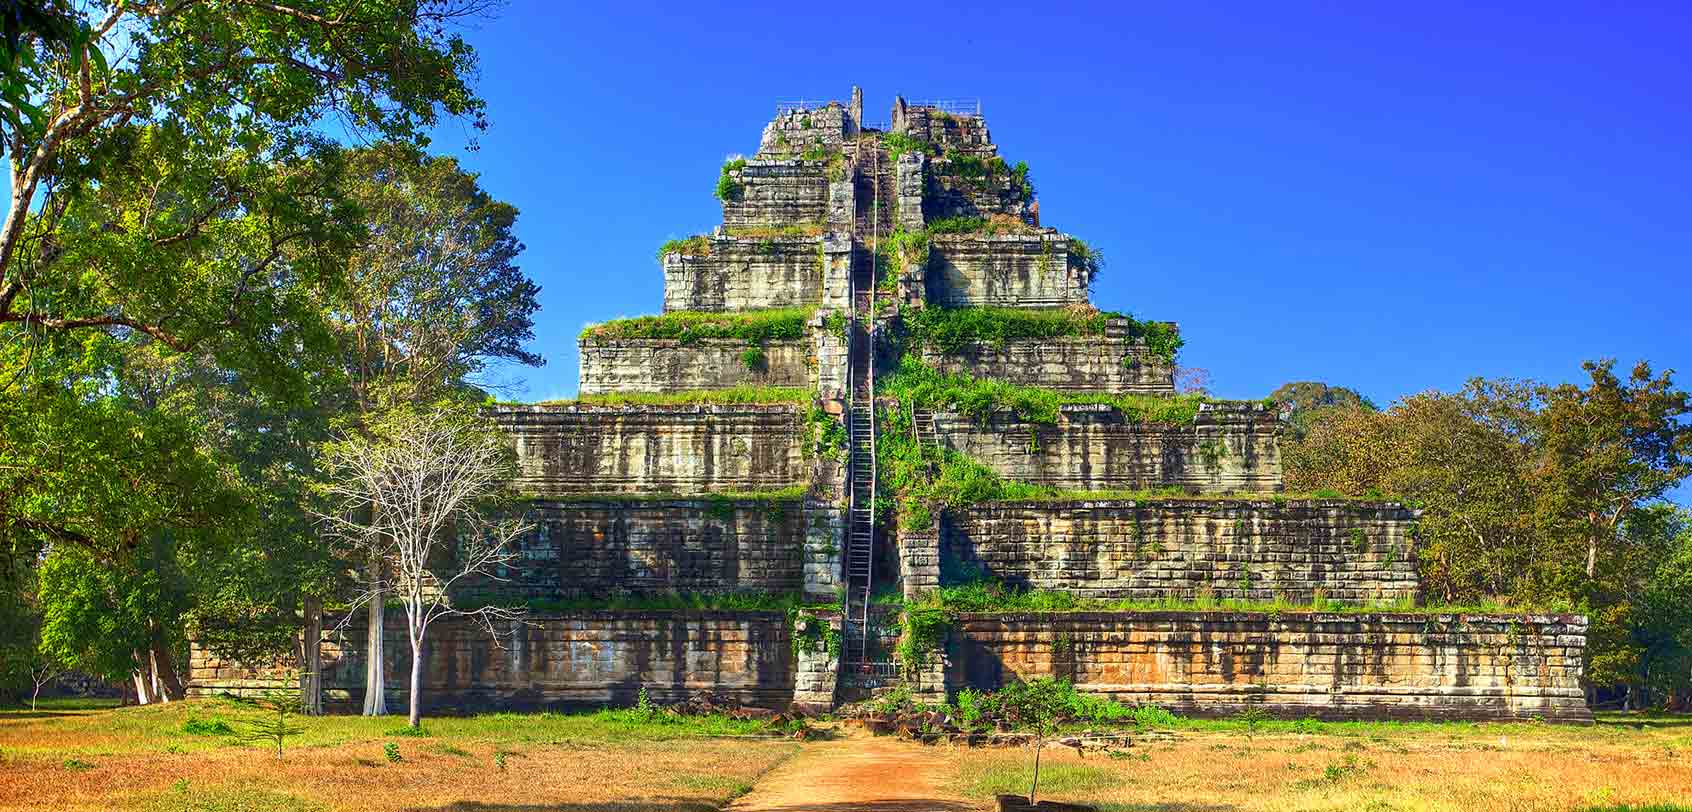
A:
(1109, 363)
(947, 131)
(830, 352)
(1294, 664)
(949, 194)
(575, 659)
(816, 670)
(668, 365)
(1228, 448)
(574, 448)
(1182, 548)
(779, 193)
(908, 175)
(746, 273)
(1005, 270)
(794, 131)
(653, 546)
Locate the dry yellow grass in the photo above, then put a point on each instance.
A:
(1461, 768)
(139, 758)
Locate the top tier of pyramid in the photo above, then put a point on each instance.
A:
(963, 223)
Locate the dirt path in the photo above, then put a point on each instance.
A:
(856, 773)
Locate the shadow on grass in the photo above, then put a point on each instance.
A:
(38, 714)
(609, 806)
(1172, 806)
(1641, 721)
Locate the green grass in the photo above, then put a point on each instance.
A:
(985, 596)
(928, 388)
(686, 326)
(792, 493)
(158, 728)
(695, 246)
(745, 394)
(1011, 774)
(1176, 493)
(950, 329)
(669, 602)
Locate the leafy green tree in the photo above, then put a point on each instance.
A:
(167, 175)
(1613, 447)
(1641, 634)
(433, 297)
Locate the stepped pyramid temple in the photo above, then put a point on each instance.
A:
(881, 380)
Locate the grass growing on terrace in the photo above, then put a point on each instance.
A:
(928, 388)
(987, 596)
(687, 326)
(950, 329)
(737, 395)
(669, 602)
(789, 494)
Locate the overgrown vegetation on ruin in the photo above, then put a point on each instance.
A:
(766, 232)
(992, 225)
(653, 602)
(789, 494)
(737, 395)
(698, 245)
(988, 596)
(951, 329)
(687, 326)
(916, 478)
(926, 388)
(897, 144)
(730, 188)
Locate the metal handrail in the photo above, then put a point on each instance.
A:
(869, 333)
(956, 107)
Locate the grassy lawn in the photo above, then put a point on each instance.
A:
(1621, 764)
(191, 756)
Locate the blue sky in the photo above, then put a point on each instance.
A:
(1388, 199)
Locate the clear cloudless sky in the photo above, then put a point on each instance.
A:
(1391, 198)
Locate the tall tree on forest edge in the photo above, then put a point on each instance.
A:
(169, 179)
(432, 298)
(1612, 447)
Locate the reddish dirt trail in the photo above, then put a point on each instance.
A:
(857, 773)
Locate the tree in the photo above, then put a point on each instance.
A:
(1304, 400)
(1036, 704)
(429, 484)
(1641, 634)
(167, 175)
(1612, 447)
(275, 722)
(432, 298)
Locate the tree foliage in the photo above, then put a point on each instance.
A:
(1548, 495)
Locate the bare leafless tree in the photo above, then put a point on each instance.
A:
(426, 488)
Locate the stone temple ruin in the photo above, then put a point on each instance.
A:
(713, 496)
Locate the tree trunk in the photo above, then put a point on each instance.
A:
(311, 659)
(164, 670)
(375, 700)
(1592, 556)
(1039, 744)
(416, 682)
(146, 684)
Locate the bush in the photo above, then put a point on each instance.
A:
(728, 187)
(214, 726)
(755, 360)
